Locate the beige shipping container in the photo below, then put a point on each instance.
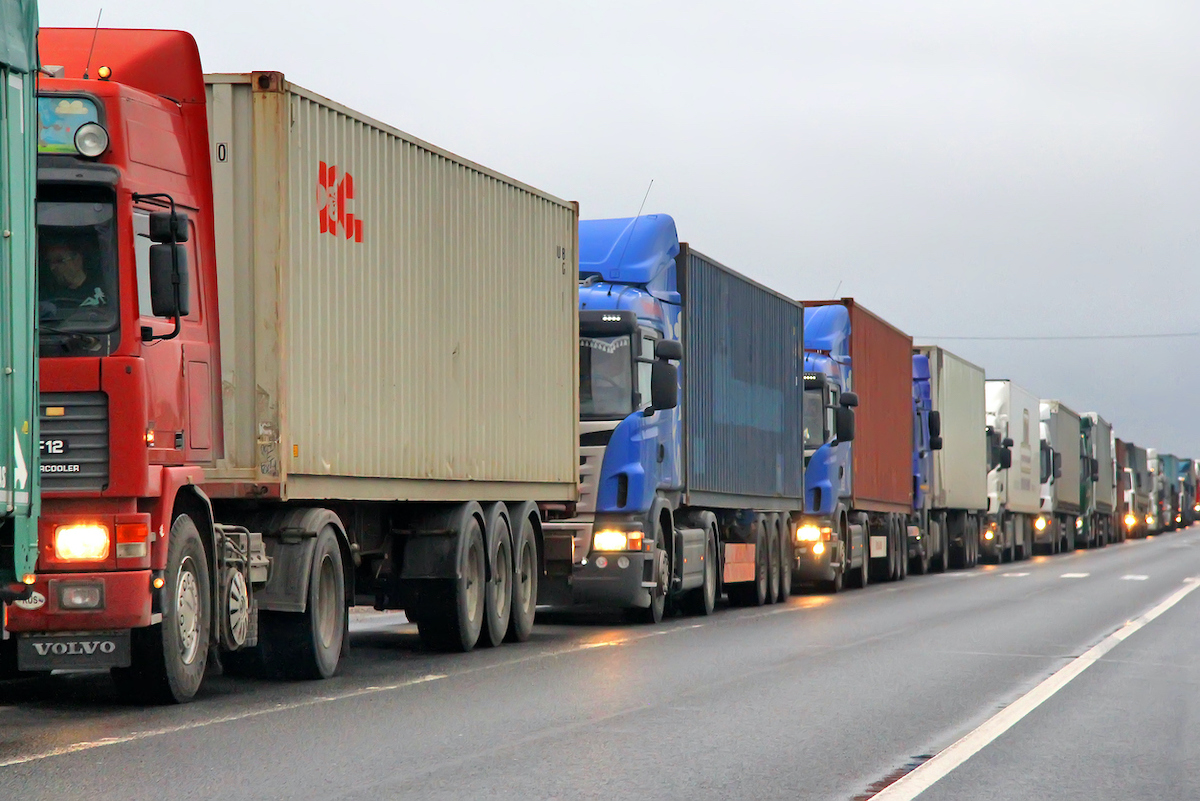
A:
(397, 323)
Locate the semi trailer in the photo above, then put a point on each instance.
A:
(20, 475)
(858, 376)
(1098, 491)
(956, 499)
(272, 400)
(1014, 485)
(1062, 458)
(691, 427)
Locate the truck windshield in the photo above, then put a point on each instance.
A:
(605, 377)
(77, 272)
(814, 419)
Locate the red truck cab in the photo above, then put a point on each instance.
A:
(130, 403)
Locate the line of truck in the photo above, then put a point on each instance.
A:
(265, 397)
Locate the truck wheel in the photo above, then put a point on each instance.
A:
(862, 577)
(902, 535)
(524, 584)
(308, 644)
(653, 614)
(773, 557)
(834, 586)
(452, 610)
(703, 599)
(168, 658)
(498, 598)
(786, 560)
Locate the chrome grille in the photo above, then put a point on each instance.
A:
(74, 441)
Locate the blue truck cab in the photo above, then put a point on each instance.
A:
(828, 546)
(680, 502)
(629, 308)
(926, 439)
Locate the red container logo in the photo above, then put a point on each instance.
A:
(332, 194)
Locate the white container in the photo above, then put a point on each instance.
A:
(1105, 490)
(397, 323)
(1065, 437)
(1014, 413)
(959, 478)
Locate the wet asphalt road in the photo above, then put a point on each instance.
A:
(822, 697)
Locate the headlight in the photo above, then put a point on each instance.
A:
(81, 543)
(1040, 524)
(1078, 522)
(989, 535)
(1130, 521)
(818, 548)
(1196, 508)
(91, 140)
(808, 533)
(613, 540)
(1149, 520)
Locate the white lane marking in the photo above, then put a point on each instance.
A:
(1014, 574)
(1075, 575)
(355, 693)
(928, 774)
(1134, 577)
(198, 724)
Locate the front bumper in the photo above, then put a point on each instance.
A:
(810, 566)
(126, 603)
(613, 579)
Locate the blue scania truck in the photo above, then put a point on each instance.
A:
(691, 443)
(867, 439)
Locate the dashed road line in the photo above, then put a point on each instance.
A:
(1134, 577)
(1014, 574)
(1075, 575)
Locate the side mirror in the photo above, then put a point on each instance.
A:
(849, 399)
(168, 269)
(844, 424)
(935, 424)
(1058, 465)
(1007, 442)
(1005, 459)
(935, 443)
(162, 230)
(668, 349)
(664, 386)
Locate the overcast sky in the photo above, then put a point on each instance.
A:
(961, 168)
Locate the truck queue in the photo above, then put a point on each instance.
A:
(267, 401)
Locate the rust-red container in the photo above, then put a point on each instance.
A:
(881, 375)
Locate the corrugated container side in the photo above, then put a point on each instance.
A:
(397, 322)
(960, 467)
(743, 387)
(1066, 438)
(881, 375)
(1105, 489)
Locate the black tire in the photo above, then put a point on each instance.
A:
(787, 559)
(168, 659)
(524, 584)
(770, 533)
(308, 644)
(451, 611)
(499, 596)
(862, 578)
(902, 536)
(653, 614)
(703, 599)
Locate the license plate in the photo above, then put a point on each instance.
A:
(93, 649)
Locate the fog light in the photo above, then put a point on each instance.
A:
(1130, 521)
(601, 562)
(1040, 524)
(81, 596)
(818, 548)
(623, 562)
(81, 543)
(1078, 523)
(989, 536)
